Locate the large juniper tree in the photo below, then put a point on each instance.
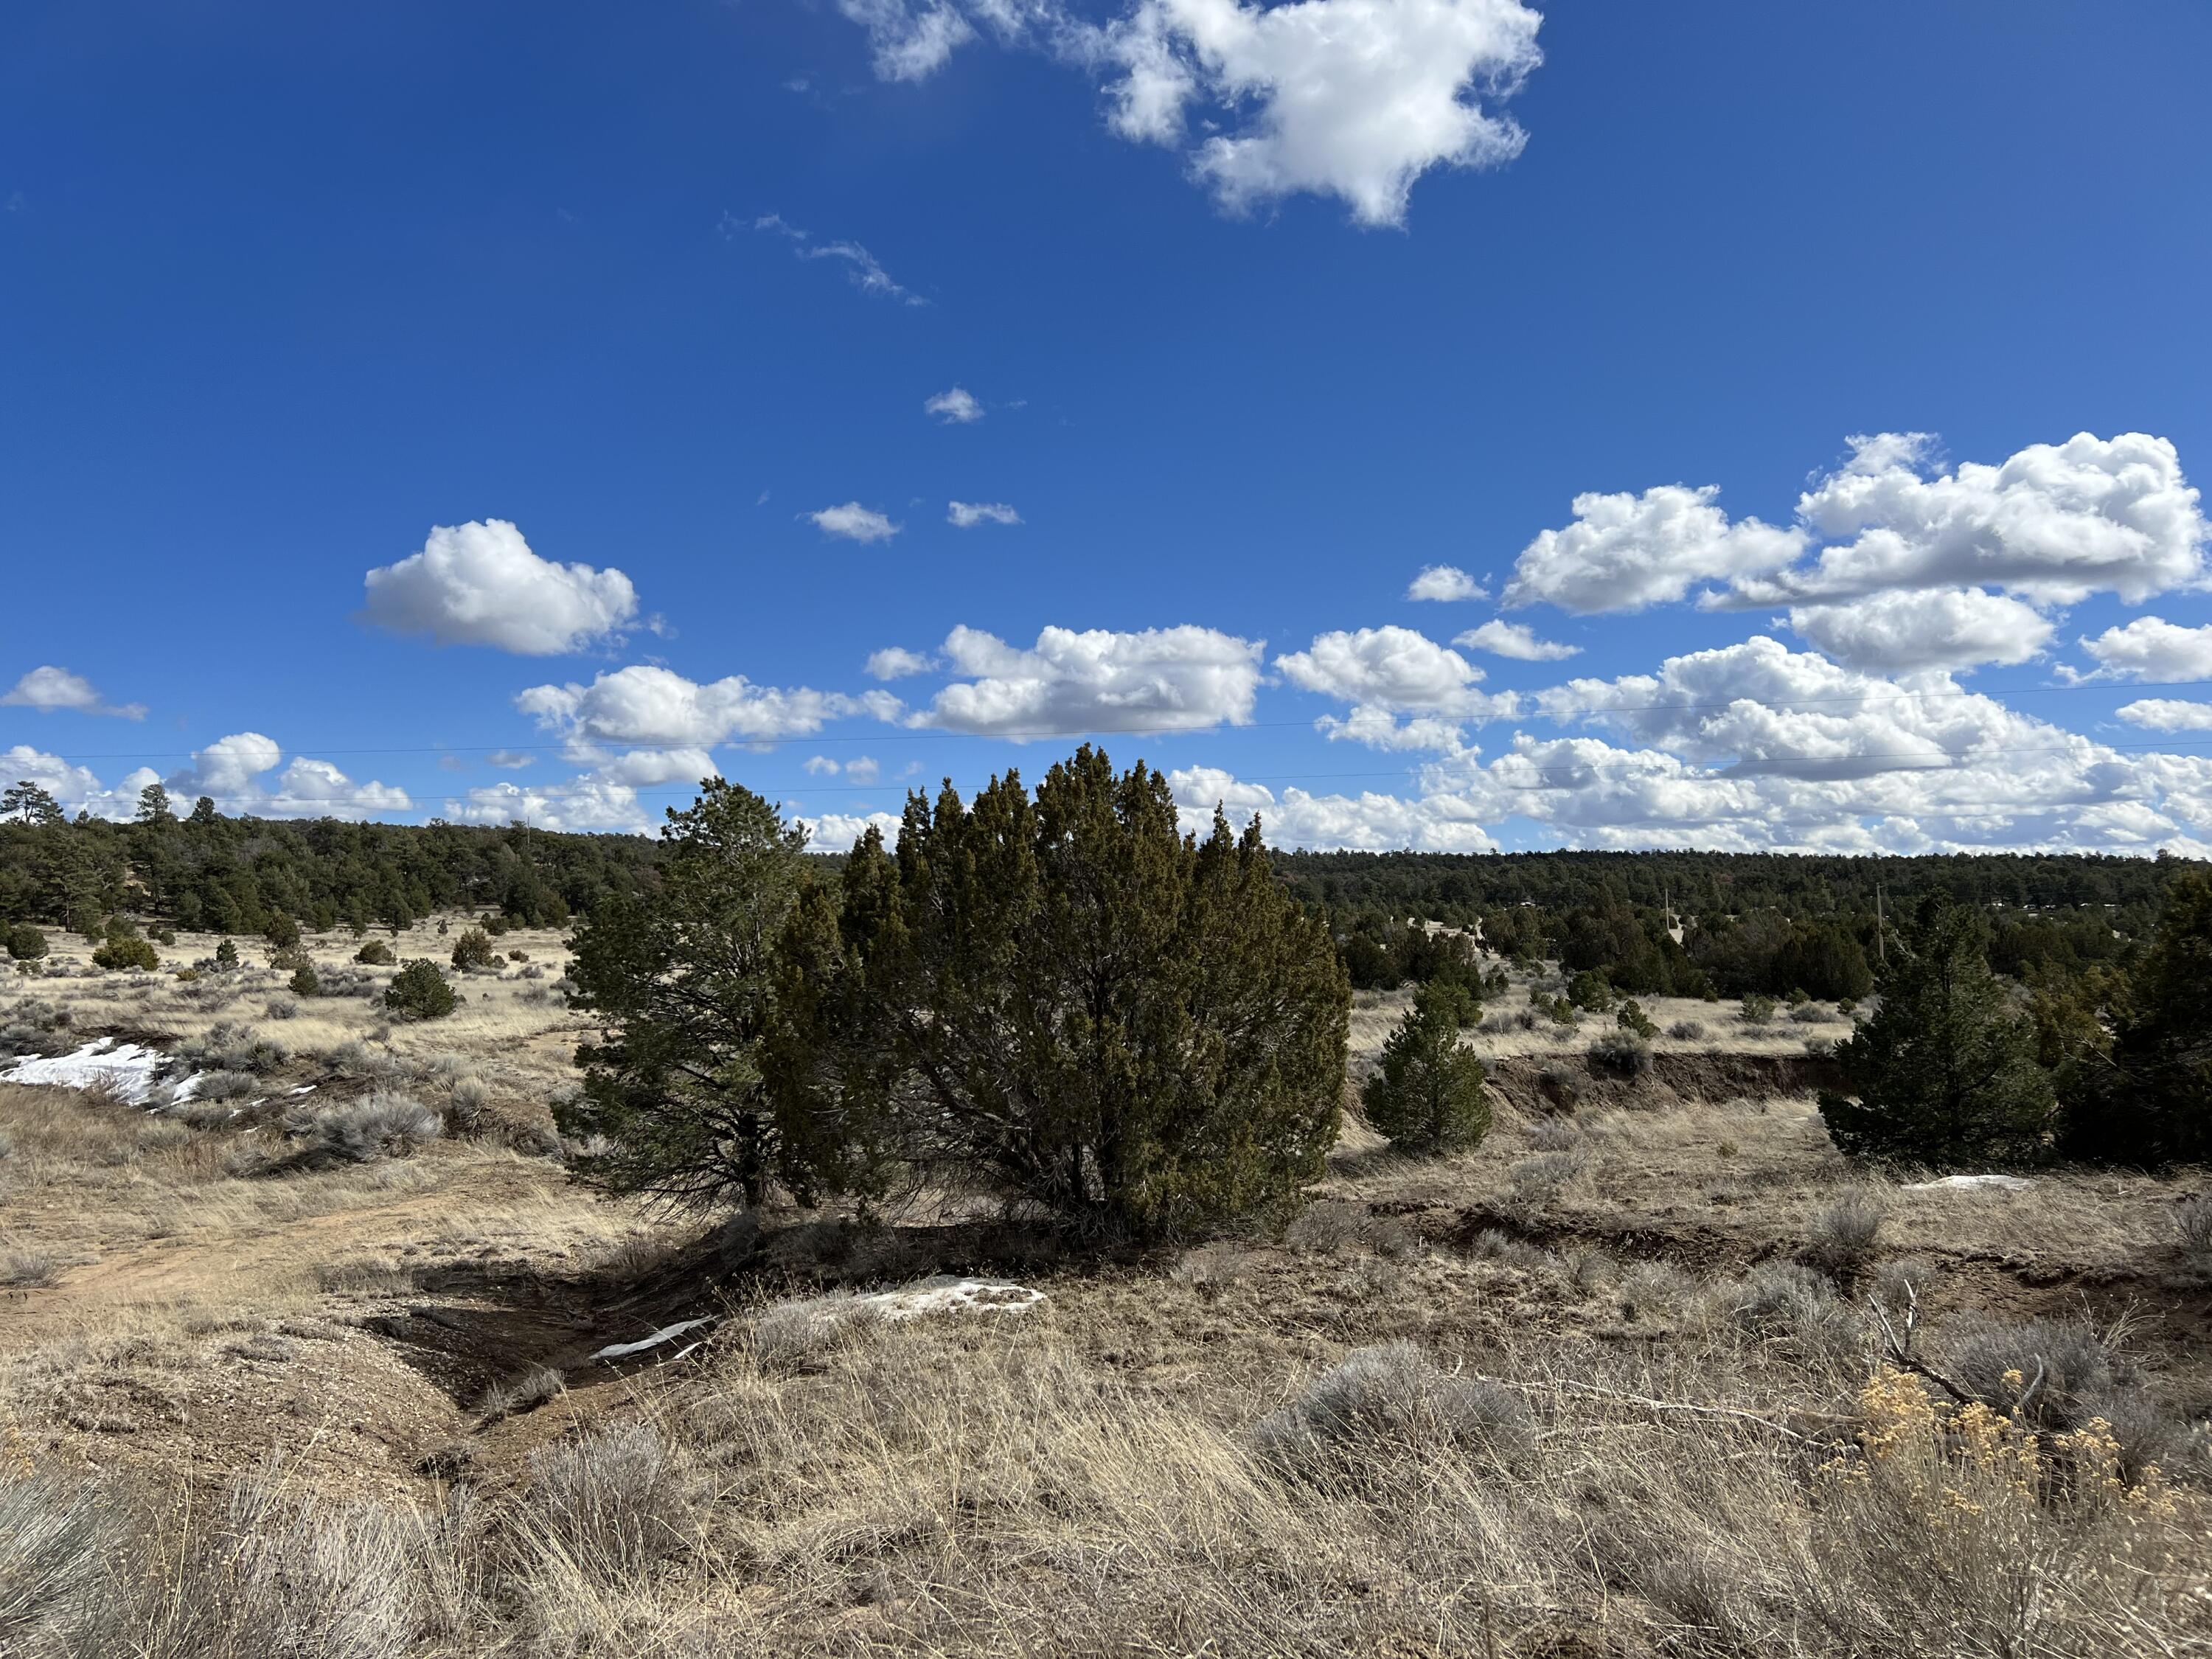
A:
(2142, 1095)
(680, 977)
(1068, 1001)
(1946, 1071)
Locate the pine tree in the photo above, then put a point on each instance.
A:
(154, 805)
(2144, 1096)
(1946, 1070)
(681, 978)
(26, 802)
(1069, 1002)
(1427, 1096)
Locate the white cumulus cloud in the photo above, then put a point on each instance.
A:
(854, 523)
(896, 662)
(956, 407)
(2052, 522)
(234, 771)
(1444, 582)
(1516, 640)
(2168, 714)
(1162, 679)
(837, 832)
(1624, 552)
(584, 803)
(479, 584)
(647, 704)
(968, 515)
(1351, 99)
(49, 688)
(1354, 99)
(1950, 628)
(2152, 648)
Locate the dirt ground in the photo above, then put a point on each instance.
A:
(163, 1313)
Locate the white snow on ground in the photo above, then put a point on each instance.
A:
(823, 1316)
(127, 1067)
(1973, 1184)
(946, 1294)
(188, 1089)
(667, 1334)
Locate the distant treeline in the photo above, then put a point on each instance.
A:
(1689, 924)
(203, 871)
(1726, 924)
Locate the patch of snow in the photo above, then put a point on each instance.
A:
(669, 1333)
(187, 1089)
(1973, 1184)
(946, 1294)
(126, 1067)
(305, 1088)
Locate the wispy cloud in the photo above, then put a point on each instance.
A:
(862, 268)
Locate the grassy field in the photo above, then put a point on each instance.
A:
(1614, 1383)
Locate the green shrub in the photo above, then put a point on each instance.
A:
(1589, 989)
(1631, 1019)
(376, 953)
(1947, 1070)
(124, 952)
(226, 954)
(419, 991)
(473, 949)
(1623, 1053)
(1428, 1097)
(305, 982)
(26, 943)
(283, 932)
(1757, 1009)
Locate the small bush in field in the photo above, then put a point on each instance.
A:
(419, 991)
(612, 1505)
(1756, 1009)
(375, 954)
(123, 952)
(1686, 1030)
(305, 982)
(382, 1125)
(473, 950)
(1631, 1019)
(518, 956)
(1392, 1396)
(281, 1008)
(26, 943)
(1622, 1053)
(1325, 1226)
(533, 1389)
(2192, 1219)
(1843, 1231)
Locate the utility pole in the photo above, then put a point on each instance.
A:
(1881, 932)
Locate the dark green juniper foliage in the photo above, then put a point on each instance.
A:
(473, 949)
(418, 991)
(2144, 1094)
(1067, 1002)
(681, 979)
(1946, 1071)
(1428, 1095)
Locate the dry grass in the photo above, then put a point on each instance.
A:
(1605, 1386)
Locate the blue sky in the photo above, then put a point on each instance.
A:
(607, 338)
